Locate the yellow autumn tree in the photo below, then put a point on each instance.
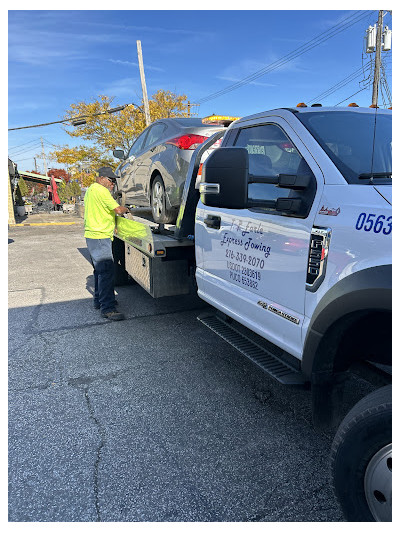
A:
(109, 131)
(82, 161)
(118, 130)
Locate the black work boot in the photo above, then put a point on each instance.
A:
(113, 315)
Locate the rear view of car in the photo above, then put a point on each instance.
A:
(154, 171)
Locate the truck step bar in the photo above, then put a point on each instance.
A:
(253, 351)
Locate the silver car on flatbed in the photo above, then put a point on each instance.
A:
(154, 171)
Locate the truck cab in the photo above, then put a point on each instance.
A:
(316, 211)
(293, 241)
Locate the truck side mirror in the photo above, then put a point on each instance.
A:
(225, 178)
(119, 154)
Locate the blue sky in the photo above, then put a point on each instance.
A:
(56, 58)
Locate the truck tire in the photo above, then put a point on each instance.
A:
(361, 459)
(159, 209)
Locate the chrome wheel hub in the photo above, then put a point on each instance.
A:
(157, 199)
(378, 485)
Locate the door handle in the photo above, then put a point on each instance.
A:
(213, 221)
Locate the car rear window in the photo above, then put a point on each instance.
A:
(189, 122)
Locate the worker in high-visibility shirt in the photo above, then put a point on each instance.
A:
(100, 211)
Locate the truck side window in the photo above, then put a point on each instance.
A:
(270, 153)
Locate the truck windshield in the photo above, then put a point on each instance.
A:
(350, 139)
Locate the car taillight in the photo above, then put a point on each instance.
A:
(190, 141)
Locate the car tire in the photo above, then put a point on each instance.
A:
(361, 459)
(159, 210)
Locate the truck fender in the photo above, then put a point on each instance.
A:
(366, 289)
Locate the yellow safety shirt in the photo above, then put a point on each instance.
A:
(99, 212)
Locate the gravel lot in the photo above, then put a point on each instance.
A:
(153, 419)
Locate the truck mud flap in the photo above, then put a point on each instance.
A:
(253, 351)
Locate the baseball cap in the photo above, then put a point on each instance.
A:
(106, 172)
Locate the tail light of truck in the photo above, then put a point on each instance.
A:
(189, 141)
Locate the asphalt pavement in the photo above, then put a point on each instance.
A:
(152, 419)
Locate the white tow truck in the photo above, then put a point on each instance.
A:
(288, 234)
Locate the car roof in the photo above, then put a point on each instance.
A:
(182, 121)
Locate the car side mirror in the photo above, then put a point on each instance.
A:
(119, 154)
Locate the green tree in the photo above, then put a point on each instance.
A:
(68, 191)
(23, 187)
(75, 189)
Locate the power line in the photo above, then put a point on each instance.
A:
(18, 145)
(77, 119)
(339, 85)
(50, 144)
(289, 57)
(19, 160)
(335, 30)
(25, 150)
(348, 98)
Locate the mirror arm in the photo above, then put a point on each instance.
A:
(272, 180)
(285, 205)
(284, 181)
(270, 204)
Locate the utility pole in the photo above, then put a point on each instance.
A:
(35, 164)
(143, 80)
(378, 55)
(44, 158)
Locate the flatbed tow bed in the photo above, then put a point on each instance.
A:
(152, 256)
(161, 257)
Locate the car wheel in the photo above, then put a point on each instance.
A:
(361, 459)
(158, 203)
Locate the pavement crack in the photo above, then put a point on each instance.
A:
(263, 513)
(100, 447)
(30, 327)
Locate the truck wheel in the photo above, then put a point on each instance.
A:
(159, 204)
(361, 459)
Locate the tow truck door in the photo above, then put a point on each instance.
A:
(254, 261)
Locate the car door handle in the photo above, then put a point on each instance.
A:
(212, 221)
